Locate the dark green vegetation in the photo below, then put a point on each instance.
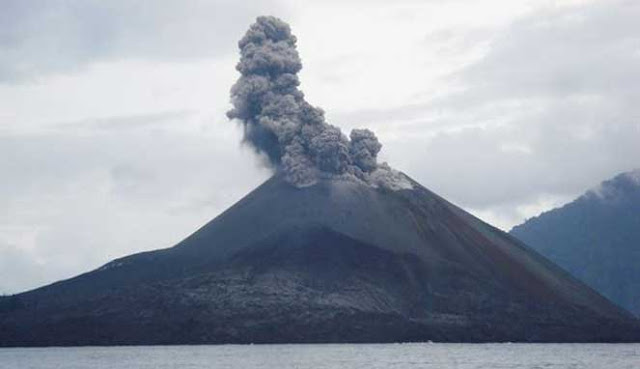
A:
(338, 261)
(596, 238)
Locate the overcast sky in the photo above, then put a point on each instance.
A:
(113, 137)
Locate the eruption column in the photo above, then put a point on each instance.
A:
(280, 124)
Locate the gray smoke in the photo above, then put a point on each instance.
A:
(279, 123)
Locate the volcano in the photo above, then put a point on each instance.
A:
(335, 247)
(338, 261)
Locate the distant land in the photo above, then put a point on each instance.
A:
(595, 237)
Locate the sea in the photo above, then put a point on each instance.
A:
(329, 356)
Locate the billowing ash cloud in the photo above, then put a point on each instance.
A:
(279, 123)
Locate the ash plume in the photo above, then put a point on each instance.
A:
(292, 134)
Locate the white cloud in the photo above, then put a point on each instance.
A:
(547, 111)
(73, 200)
(40, 37)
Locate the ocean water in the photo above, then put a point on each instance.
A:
(346, 356)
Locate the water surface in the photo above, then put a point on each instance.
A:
(422, 355)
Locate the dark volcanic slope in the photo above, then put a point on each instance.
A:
(596, 238)
(333, 262)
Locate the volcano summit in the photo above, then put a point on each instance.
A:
(333, 248)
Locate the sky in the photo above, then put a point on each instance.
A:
(114, 139)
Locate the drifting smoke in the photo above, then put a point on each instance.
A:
(279, 123)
